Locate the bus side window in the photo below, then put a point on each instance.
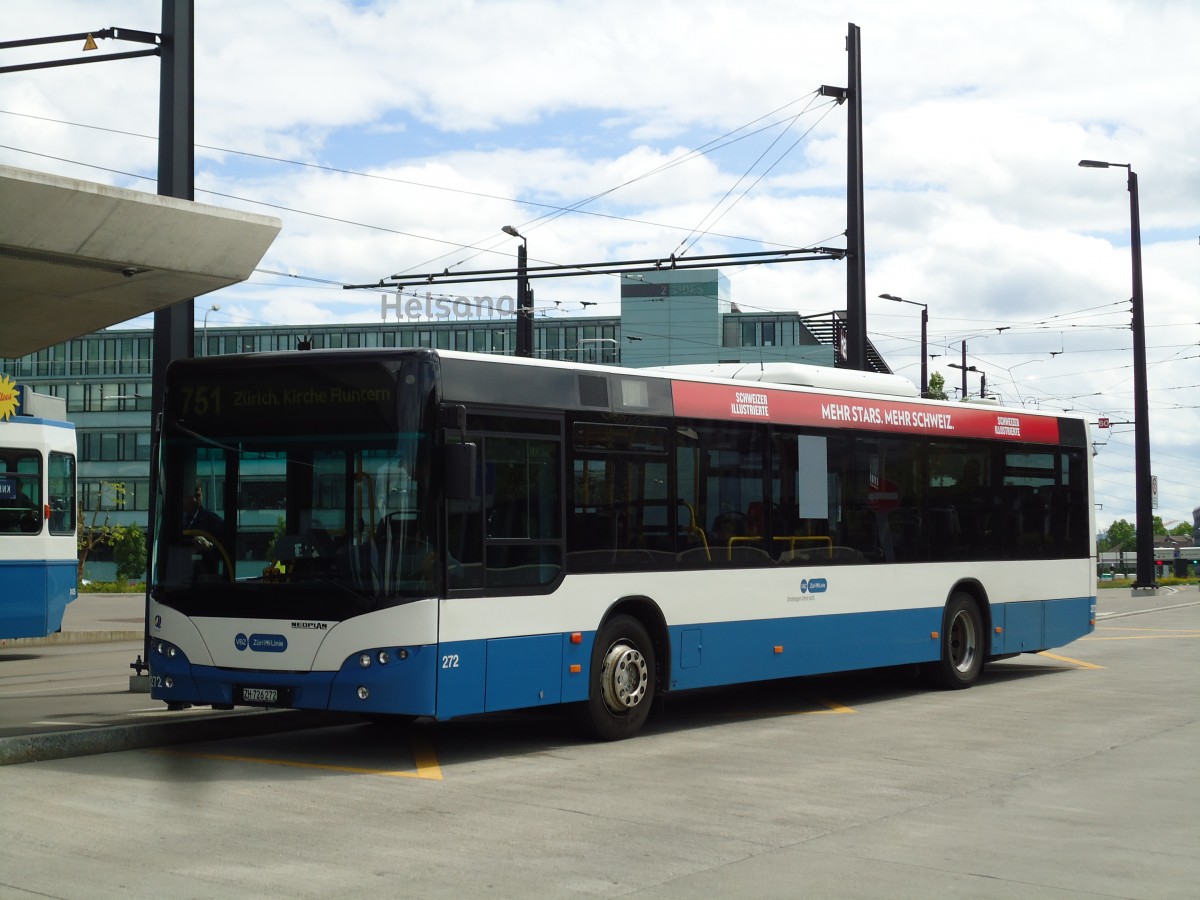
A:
(20, 492)
(620, 514)
(509, 534)
(723, 478)
(62, 493)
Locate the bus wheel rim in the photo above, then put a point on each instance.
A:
(964, 641)
(624, 678)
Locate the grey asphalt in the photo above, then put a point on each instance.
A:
(71, 694)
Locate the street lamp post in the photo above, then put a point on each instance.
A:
(204, 340)
(524, 296)
(982, 379)
(924, 338)
(1144, 582)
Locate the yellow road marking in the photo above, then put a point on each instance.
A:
(833, 707)
(425, 758)
(427, 764)
(1154, 634)
(1075, 662)
(1145, 637)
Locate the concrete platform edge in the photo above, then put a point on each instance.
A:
(63, 638)
(215, 726)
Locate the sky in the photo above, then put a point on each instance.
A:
(399, 137)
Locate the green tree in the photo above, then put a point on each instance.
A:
(276, 537)
(1120, 534)
(97, 533)
(937, 386)
(129, 553)
(1183, 529)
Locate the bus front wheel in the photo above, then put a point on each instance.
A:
(963, 645)
(622, 681)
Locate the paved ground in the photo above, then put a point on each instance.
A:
(1064, 775)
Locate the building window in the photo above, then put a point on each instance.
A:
(75, 398)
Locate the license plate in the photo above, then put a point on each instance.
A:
(263, 696)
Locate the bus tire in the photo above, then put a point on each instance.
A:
(963, 645)
(621, 682)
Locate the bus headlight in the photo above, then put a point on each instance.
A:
(363, 693)
(364, 660)
(384, 657)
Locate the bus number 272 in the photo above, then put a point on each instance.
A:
(450, 661)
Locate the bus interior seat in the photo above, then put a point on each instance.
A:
(755, 520)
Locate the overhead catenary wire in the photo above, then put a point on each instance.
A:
(1041, 325)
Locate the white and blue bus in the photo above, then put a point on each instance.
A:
(429, 533)
(39, 558)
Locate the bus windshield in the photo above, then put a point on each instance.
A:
(289, 490)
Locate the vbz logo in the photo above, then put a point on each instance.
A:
(241, 641)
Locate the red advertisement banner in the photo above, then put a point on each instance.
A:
(756, 403)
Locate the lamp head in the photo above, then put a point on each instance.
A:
(508, 229)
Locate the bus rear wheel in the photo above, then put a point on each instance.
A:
(963, 645)
(622, 681)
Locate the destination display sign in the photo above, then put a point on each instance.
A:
(754, 402)
(253, 398)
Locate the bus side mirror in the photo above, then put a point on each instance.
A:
(460, 471)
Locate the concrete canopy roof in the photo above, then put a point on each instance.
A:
(77, 256)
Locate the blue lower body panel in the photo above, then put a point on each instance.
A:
(34, 595)
(729, 652)
(512, 673)
(1068, 620)
(1030, 626)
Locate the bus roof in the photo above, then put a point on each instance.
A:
(845, 401)
(801, 375)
